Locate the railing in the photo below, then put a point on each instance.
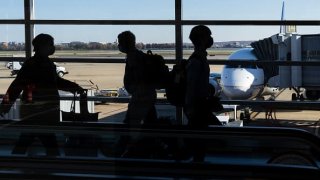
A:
(249, 143)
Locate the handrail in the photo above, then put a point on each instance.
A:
(277, 104)
(99, 128)
(172, 61)
(127, 169)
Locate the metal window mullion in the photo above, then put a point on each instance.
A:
(178, 47)
(29, 34)
(30, 20)
(172, 22)
(12, 21)
(252, 22)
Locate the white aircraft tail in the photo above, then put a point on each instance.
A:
(282, 27)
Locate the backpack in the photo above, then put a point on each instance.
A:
(177, 82)
(157, 72)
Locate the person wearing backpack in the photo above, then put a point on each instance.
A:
(137, 82)
(196, 106)
(141, 107)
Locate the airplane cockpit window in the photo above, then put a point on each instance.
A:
(242, 66)
(232, 66)
(249, 66)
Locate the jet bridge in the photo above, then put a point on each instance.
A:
(291, 47)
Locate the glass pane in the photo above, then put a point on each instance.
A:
(11, 9)
(100, 41)
(12, 40)
(102, 9)
(250, 10)
(228, 39)
(11, 45)
(234, 37)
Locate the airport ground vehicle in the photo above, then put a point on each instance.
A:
(15, 66)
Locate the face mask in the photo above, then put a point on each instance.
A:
(120, 48)
(123, 49)
(52, 49)
(210, 42)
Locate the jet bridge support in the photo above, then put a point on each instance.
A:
(292, 47)
(304, 48)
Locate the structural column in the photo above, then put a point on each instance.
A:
(28, 27)
(179, 50)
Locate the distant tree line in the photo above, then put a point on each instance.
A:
(12, 46)
(77, 45)
(110, 46)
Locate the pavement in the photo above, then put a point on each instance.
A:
(104, 76)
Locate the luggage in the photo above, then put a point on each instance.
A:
(81, 144)
(83, 115)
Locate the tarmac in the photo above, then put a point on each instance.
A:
(99, 76)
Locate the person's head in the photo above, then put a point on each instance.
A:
(200, 36)
(43, 45)
(126, 41)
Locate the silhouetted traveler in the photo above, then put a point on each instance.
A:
(197, 92)
(40, 102)
(141, 108)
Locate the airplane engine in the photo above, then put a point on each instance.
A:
(215, 87)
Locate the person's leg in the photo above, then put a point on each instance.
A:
(24, 141)
(50, 143)
(152, 116)
(135, 113)
(140, 111)
(199, 120)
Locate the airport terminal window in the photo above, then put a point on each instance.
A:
(11, 41)
(147, 38)
(207, 10)
(256, 145)
(12, 9)
(238, 10)
(308, 29)
(141, 22)
(101, 9)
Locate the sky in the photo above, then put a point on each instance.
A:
(158, 10)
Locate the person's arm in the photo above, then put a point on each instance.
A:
(128, 79)
(14, 90)
(69, 86)
(193, 79)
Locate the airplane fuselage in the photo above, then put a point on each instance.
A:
(242, 81)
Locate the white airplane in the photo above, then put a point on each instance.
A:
(248, 82)
(244, 82)
(241, 82)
